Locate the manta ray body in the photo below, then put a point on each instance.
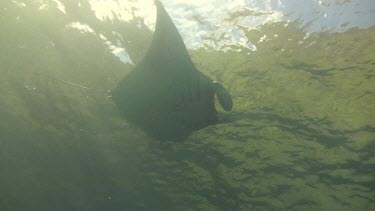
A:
(165, 94)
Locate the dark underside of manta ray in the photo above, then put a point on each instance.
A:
(165, 94)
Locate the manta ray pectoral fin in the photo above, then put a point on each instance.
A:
(223, 95)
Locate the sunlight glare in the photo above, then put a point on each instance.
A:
(122, 10)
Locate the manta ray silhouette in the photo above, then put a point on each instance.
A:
(165, 94)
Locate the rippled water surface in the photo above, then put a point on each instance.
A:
(301, 135)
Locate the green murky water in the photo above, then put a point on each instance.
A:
(301, 135)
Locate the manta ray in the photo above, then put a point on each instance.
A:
(165, 94)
